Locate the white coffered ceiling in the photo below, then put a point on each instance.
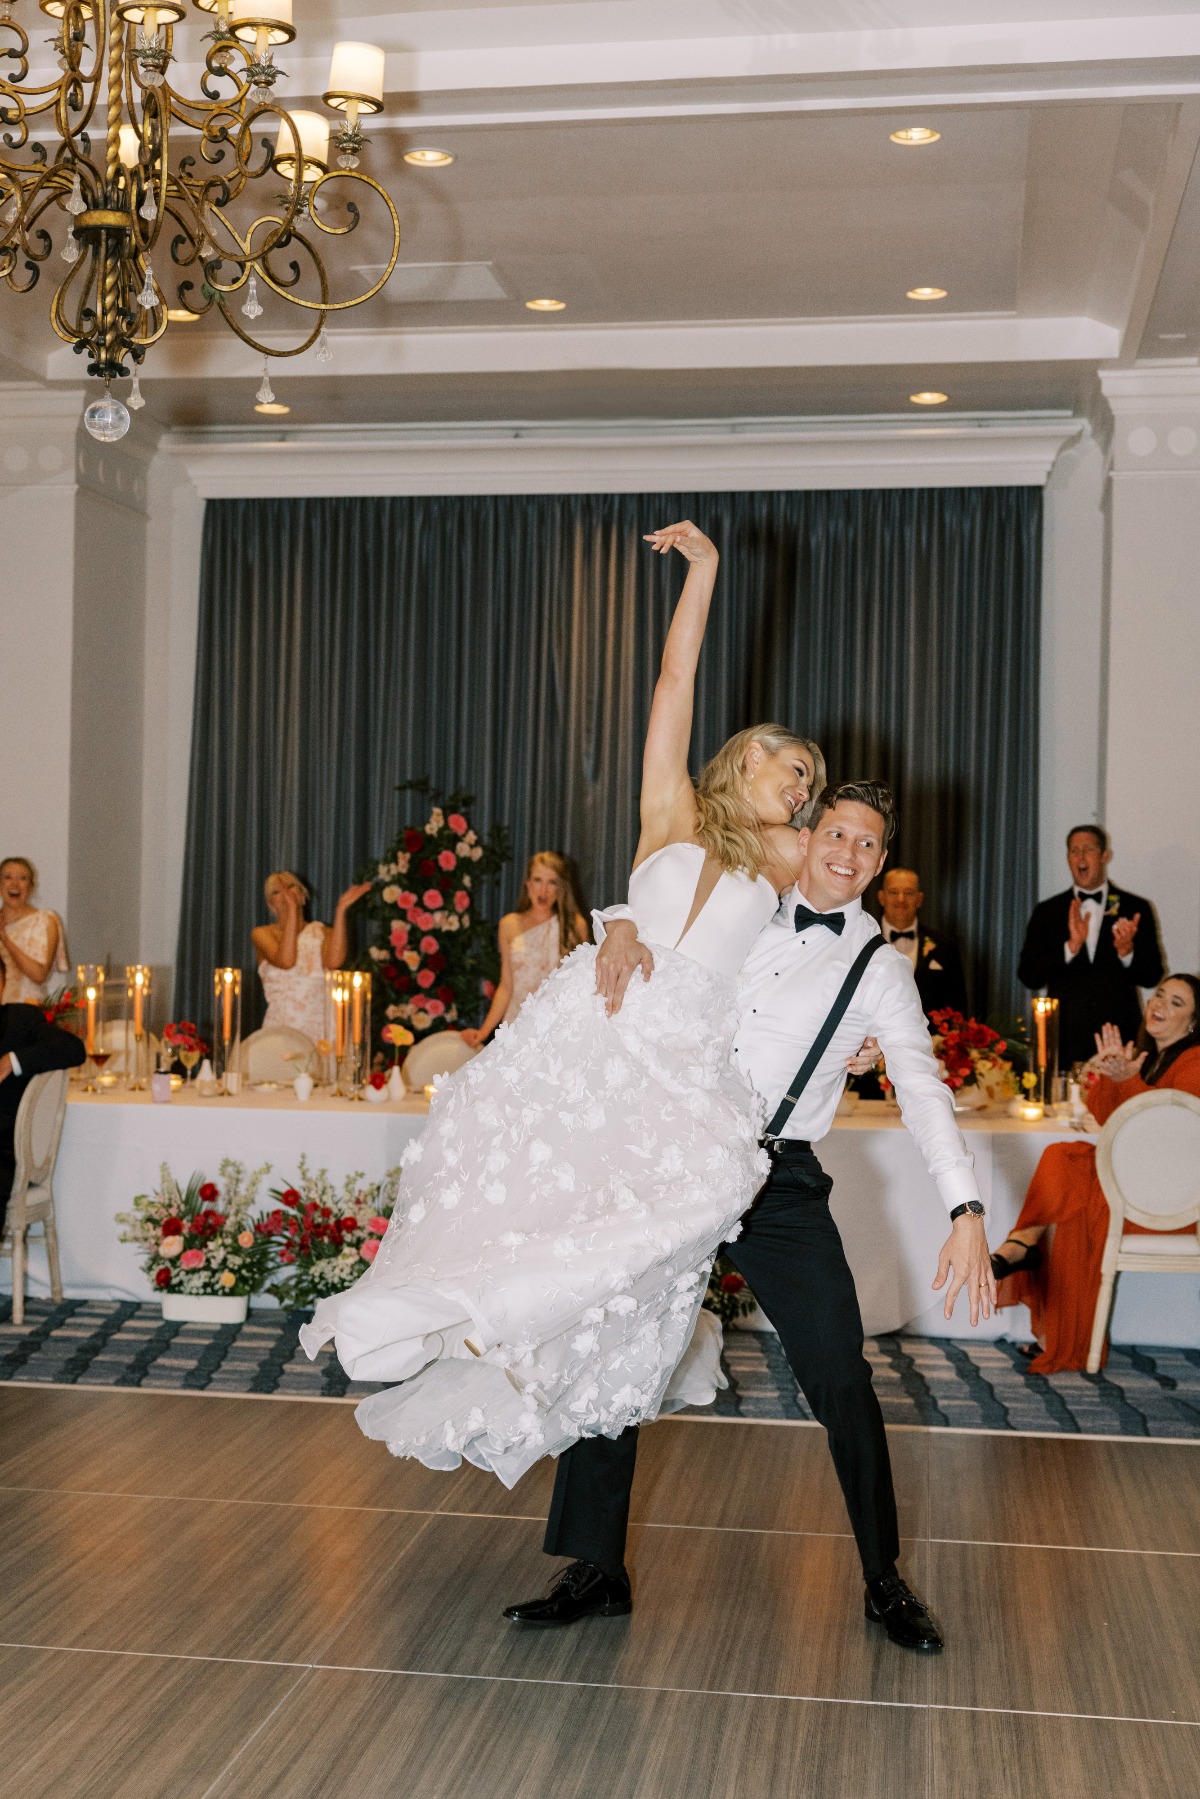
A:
(711, 188)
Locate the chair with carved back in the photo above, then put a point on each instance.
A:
(38, 1131)
(1148, 1163)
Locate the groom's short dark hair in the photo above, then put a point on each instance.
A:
(875, 794)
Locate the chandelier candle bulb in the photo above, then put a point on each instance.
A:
(356, 79)
(130, 147)
(263, 22)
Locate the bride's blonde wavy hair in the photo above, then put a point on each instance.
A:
(725, 821)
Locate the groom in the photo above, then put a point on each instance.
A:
(789, 1251)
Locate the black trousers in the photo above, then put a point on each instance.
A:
(792, 1258)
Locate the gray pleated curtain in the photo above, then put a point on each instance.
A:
(510, 645)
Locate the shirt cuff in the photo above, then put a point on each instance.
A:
(610, 915)
(13, 1063)
(957, 1186)
(1127, 961)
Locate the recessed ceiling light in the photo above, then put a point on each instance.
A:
(179, 315)
(929, 399)
(275, 408)
(545, 305)
(915, 134)
(926, 293)
(428, 159)
(1172, 337)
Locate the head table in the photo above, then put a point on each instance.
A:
(884, 1201)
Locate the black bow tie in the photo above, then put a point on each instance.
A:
(1095, 898)
(835, 920)
(903, 936)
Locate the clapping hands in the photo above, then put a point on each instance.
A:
(1116, 1059)
(1123, 933)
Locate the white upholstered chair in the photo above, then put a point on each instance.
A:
(1148, 1163)
(278, 1054)
(116, 1036)
(38, 1130)
(443, 1053)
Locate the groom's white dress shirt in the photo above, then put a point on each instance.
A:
(787, 987)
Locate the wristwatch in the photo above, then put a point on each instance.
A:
(973, 1206)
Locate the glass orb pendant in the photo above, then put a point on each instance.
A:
(106, 420)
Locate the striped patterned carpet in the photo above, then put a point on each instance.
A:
(952, 1385)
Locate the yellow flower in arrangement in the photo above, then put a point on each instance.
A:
(397, 1036)
(1029, 1081)
(411, 958)
(228, 1277)
(324, 1046)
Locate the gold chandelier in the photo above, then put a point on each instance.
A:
(154, 239)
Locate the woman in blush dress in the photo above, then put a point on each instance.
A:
(1061, 1286)
(294, 955)
(33, 944)
(546, 926)
(542, 1277)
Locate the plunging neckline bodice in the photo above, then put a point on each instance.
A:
(718, 935)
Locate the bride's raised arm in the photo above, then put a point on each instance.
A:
(668, 805)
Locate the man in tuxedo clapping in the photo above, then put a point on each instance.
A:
(935, 960)
(1091, 948)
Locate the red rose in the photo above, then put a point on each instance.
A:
(208, 1193)
(432, 898)
(445, 993)
(437, 961)
(413, 840)
(462, 902)
(349, 1223)
(172, 1227)
(447, 860)
(457, 823)
(427, 867)
(407, 901)
(426, 977)
(378, 1081)
(216, 1221)
(163, 1278)
(286, 1255)
(732, 1283)
(403, 983)
(289, 1197)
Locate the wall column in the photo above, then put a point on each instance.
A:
(1151, 771)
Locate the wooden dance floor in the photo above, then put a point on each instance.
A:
(217, 1598)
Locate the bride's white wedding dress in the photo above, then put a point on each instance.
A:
(541, 1278)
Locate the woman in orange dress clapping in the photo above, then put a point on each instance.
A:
(1061, 1286)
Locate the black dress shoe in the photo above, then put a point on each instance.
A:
(907, 1619)
(1022, 1264)
(581, 1591)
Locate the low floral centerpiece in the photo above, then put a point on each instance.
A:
(972, 1060)
(728, 1295)
(205, 1252)
(433, 953)
(321, 1240)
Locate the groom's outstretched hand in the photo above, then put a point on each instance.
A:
(965, 1254)
(616, 959)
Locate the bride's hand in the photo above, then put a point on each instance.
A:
(616, 960)
(864, 1060)
(685, 537)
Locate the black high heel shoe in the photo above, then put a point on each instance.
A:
(1001, 1266)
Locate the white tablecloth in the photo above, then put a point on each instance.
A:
(886, 1206)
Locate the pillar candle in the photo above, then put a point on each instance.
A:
(1040, 1020)
(90, 1042)
(339, 1021)
(137, 1003)
(356, 1021)
(227, 1010)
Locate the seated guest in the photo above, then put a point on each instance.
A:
(294, 953)
(546, 926)
(1061, 1287)
(33, 943)
(936, 962)
(28, 1046)
(1091, 948)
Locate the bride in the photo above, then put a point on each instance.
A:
(542, 1278)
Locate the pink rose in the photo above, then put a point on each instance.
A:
(246, 1239)
(461, 901)
(398, 936)
(435, 1007)
(170, 1246)
(407, 901)
(429, 946)
(431, 899)
(378, 1225)
(192, 1258)
(370, 1249)
(422, 920)
(457, 823)
(426, 977)
(447, 860)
